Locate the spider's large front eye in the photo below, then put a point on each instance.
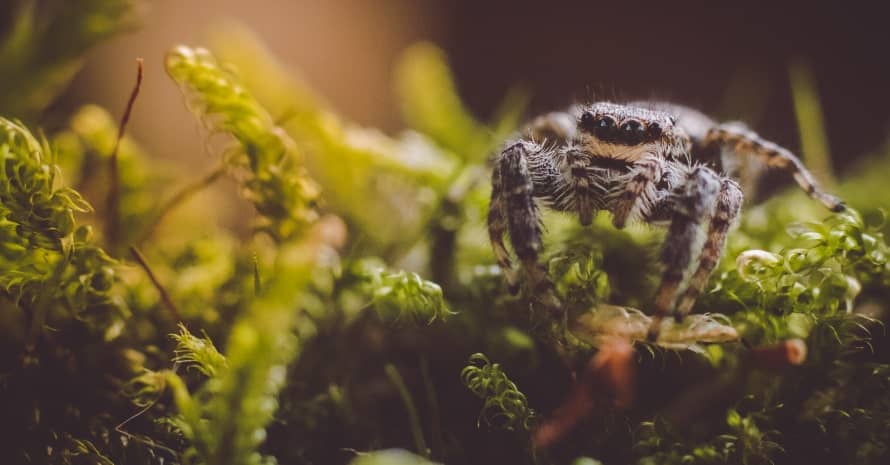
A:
(604, 126)
(632, 131)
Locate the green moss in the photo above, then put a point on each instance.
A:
(504, 406)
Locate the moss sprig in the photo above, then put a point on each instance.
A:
(272, 177)
(504, 405)
(198, 353)
(401, 295)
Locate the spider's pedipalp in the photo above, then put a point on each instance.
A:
(584, 190)
(690, 204)
(744, 142)
(637, 190)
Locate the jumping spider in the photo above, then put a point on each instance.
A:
(650, 162)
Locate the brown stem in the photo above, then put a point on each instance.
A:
(165, 296)
(112, 214)
(443, 229)
(179, 198)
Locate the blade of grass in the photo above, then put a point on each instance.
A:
(416, 430)
(810, 121)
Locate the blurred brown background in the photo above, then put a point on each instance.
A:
(728, 61)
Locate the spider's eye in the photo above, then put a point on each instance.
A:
(588, 121)
(654, 129)
(604, 126)
(632, 131)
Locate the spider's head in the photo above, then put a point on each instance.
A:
(629, 133)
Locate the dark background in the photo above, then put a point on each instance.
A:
(731, 62)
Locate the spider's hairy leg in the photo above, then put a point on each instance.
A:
(744, 142)
(638, 189)
(523, 218)
(729, 204)
(690, 204)
(497, 227)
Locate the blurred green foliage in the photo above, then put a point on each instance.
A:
(225, 420)
(84, 149)
(338, 329)
(743, 442)
(45, 43)
(390, 457)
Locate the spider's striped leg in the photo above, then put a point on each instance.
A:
(729, 204)
(523, 219)
(638, 190)
(691, 203)
(744, 142)
(497, 227)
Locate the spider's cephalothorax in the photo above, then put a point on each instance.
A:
(656, 163)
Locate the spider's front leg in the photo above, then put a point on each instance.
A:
(729, 204)
(513, 209)
(743, 142)
(689, 205)
(497, 227)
